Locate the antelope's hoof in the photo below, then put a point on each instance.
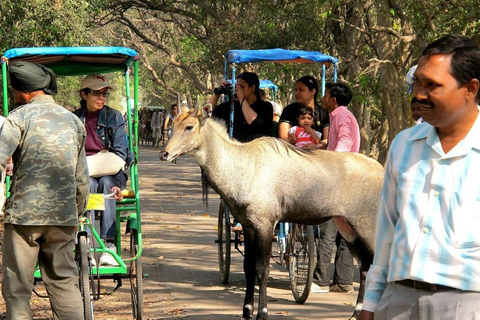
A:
(263, 314)
(355, 315)
(247, 312)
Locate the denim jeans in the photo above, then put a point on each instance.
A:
(330, 238)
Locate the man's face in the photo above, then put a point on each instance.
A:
(327, 101)
(444, 101)
(416, 110)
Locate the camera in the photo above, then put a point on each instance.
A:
(227, 90)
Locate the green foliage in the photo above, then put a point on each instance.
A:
(182, 42)
(43, 23)
(191, 49)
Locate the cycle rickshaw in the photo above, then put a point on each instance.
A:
(79, 61)
(296, 243)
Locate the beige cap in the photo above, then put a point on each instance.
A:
(95, 82)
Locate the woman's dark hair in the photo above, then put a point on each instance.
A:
(465, 54)
(83, 102)
(311, 83)
(252, 79)
(306, 110)
(340, 92)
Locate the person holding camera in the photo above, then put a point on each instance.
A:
(252, 116)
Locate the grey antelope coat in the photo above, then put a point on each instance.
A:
(268, 180)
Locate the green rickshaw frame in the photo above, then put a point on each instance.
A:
(77, 61)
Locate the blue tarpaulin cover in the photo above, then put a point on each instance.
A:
(76, 60)
(268, 84)
(278, 55)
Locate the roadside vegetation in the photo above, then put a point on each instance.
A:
(182, 43)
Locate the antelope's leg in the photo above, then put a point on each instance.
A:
(262, 263)
(249, 269)
(365, 261)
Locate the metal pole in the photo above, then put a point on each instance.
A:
(232, 103)
(323, 79)
(5, 89)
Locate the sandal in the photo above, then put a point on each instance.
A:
(237, 227)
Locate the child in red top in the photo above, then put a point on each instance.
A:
(303, 135)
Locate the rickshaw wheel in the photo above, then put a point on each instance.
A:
(136, 277)
(301, 260)
(224, 243)
(84, 276)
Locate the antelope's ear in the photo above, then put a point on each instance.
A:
(207, 111)
(195, 112)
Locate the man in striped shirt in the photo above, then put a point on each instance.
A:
(427, 255)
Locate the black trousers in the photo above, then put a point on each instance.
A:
(329, 239)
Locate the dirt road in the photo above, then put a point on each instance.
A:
(180, 259)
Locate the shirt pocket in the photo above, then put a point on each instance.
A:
(466, 221)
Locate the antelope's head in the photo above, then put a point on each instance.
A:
(185, 133)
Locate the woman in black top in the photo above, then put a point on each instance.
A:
(306, 91)
(252, 116)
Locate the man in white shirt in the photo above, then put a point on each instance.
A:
(427, 255)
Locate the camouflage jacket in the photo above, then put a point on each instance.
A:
(50, 182)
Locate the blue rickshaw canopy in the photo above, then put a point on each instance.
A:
(278, 55)
(76, 60)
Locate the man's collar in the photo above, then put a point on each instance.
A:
(42, 97)
(429, 132)
(337, 110)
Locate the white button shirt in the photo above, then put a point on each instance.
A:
(428, 225)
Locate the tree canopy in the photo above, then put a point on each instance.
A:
(182, 43)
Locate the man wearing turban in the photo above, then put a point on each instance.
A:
(49, 189)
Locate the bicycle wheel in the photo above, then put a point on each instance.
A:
(301, 260)
(224, 244)
(136, 277)
(84, 276)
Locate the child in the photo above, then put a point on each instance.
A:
(303, 135)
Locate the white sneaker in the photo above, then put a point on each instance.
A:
(106, 259)
(93, 261)
(315, 288)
